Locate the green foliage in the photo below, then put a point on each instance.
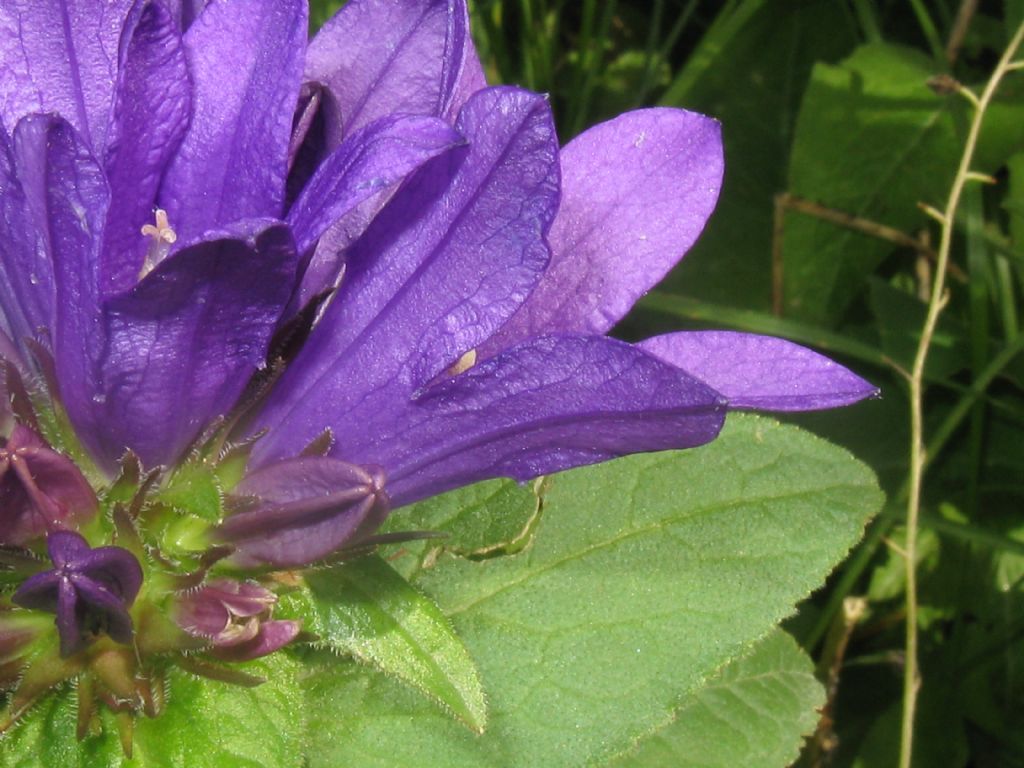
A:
(751, 714)
(644, 577)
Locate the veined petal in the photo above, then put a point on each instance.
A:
(381, 57)
(449, 259)
(61, 56)
(367, 162)
(245, 67)
(26, 275)
(550, 404)
(761, 372)
(150, 116)
(636, 193)
(182, 344)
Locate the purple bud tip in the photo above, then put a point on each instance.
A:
(89, 589)
(234, 617)
(301, 510)
(40, 490)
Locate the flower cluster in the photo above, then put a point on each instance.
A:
(258, 292)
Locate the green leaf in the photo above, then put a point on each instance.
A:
(366, 609)
(754, 713)
(476, 520)
(645, 576)
(750, 71)
(872, 140)
(206, 724)
(193, 489)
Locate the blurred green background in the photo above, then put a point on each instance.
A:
(833, 140)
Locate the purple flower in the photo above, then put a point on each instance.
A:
(90, 590)
(203, 177)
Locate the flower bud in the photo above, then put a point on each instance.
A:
(234, 617)
(40, 490)
(297, 511)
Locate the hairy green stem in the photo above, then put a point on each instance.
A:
(911, 677)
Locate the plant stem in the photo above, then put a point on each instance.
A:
(911, 678)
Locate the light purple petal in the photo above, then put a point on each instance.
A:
(61, 56)
(550, 404)
(26, 276)
(182, 344)
(245, 67)
(381, 57)
(75, 196)
(454, 253)
(151, 113)
(760, 371)
(636, 192)
(367, 162)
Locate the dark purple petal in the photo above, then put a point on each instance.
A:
(182, 344)
(367, 162)
(245, 69)
(107, 609)
(38, 592)
(151, 113)
(114, 568)
(382, 57)
(66, 548)
(72, 638)
(761, 372)
(305, 509)
(547, 405)
(61, 56)
(449, 259)
(636, 193)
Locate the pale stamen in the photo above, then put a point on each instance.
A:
(162, 238)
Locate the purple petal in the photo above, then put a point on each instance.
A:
(96, 595)
(273, 635)
(547, 405)
(442, 266)
(761, 371)
(151, 113)
(636, 192)
(38, 592)
(182, 344)
(54, 201)
(242, 598)
(381, 57)
(66, 548)
(307, 508)
(61, 56)
(245, 68)
(71, 639)
(368, 161)
(114, 568)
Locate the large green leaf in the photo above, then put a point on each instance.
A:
(644, 577)
(367, 610)
(206, 724)
(872, 140)
(755, 713)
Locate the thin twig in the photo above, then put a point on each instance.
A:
(911, 677)
(964, 16)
